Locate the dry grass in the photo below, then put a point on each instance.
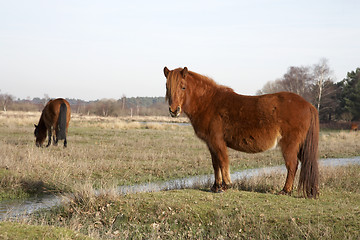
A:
(136, 122)
(104, 152)
(339, 144)
(155, 119)
(18, 119)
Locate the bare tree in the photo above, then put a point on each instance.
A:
(321, 74)
(271, 87)
(123, 101)
(46, 98)
(297, 80)
(5, 100)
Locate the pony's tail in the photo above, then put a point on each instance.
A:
(62, 122)
(308, 155)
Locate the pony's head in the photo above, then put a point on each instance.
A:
(40, 135)
(175, 89)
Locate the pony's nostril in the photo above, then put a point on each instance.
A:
(175, 111)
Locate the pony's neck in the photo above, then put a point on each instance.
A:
(202, 91)
(41, 123)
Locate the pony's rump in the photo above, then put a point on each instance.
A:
(62, 122)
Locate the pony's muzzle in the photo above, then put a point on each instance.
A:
(175, 113)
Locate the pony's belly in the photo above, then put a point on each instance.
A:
(254, 145)
(248, 148)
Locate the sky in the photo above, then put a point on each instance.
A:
(113, 48)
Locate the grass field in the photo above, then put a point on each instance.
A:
(106, 152)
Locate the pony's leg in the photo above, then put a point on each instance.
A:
(291, 163)
(65, 143)
(221, 167)
(55, 140)
(225, 169)
(218, 179)
(49, 136)
(56, 130)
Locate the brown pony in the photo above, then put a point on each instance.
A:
(250, 124)
(354, 127)
(55, 119)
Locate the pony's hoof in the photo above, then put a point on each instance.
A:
(282, 192)
(225, 186)
(219, 190)
(216, 189)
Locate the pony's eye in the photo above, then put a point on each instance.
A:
(183, 88)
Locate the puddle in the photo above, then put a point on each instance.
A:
(22, 208)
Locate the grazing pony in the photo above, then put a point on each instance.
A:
(55, 119)
(251, 124)
(354, 127)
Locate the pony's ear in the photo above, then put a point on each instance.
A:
(184, 72)
(166, 71)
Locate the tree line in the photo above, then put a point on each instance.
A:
(335, 101)
(133, 106)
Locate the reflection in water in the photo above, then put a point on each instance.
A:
(21, 208)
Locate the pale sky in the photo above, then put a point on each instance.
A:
(106, 49)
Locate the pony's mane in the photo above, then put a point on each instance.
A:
(203, 83)
(206, 82)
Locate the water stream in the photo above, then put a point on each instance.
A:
(22, 208)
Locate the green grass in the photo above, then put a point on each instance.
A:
(15, 231)
(8, 188)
